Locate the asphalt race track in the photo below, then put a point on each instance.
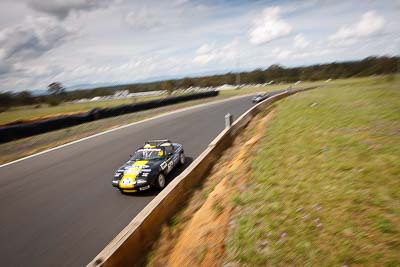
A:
(59, 208)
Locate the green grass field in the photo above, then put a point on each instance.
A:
(324, 186)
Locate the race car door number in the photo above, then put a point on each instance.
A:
(170, 165)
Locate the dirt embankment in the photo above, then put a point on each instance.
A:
(198, 236)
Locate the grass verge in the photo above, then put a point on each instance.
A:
(324, 187)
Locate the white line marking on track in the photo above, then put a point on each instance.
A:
(122, 127)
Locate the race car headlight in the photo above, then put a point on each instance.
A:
(128, 181)
(141, 181)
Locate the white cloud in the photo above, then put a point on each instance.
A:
(4, 67)
(204, 49)
(312, 54)
(61, 8)
(206, 54)
(143, 19)
(370, 24)
(142, 68)
(30, 39)
(268, 26)
(210, 53)
(281, 54)
(300, 41)
(180, 2)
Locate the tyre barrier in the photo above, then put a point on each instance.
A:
(131, 245)
(22, 130)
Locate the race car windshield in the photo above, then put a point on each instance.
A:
(148, 154)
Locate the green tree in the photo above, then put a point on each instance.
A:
(168, 86)
(187, 82)
(6, 101)
(257, 76)
(56, 88)
(24, 98)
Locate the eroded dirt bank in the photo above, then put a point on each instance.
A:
(196, 236)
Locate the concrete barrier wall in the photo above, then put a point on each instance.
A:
(130, 246)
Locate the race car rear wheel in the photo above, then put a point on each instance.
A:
(182, 158)
(160, 181)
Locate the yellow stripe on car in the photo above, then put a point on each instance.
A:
(129, 177)
(140, 163)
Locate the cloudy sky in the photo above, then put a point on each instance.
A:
(121, 41)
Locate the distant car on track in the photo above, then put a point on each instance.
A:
(149, 166)
(260, 97)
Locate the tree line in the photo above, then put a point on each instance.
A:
(366, 67)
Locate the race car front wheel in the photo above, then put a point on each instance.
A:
(160, 182)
